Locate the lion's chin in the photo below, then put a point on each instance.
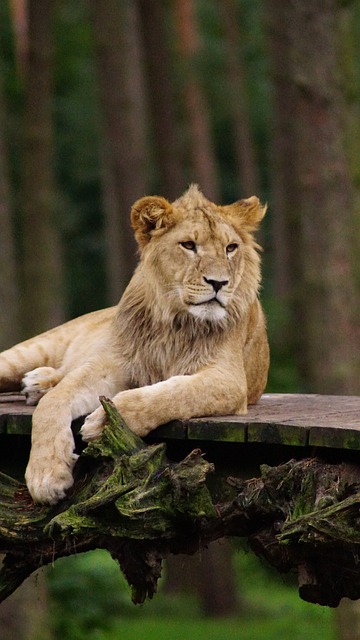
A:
(208, 311)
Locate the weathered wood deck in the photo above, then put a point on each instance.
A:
(283, 419)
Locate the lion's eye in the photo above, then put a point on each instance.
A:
(231, 247)
(189, 245)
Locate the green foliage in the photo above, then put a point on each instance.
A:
(90, 600)
(88, 592)
(214, 630)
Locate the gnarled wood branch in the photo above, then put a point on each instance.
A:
(129, 498)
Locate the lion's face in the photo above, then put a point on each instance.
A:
(198, 254)
(199, 263)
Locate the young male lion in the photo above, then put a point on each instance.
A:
(187, 338)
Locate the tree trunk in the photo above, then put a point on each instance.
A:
(20, 25)
(347, 615)
(326, 199)
(284, 187)
(248, 174)
(42, 295)
(313, 192)
(9, 296)
(216, 581)
(284, 197)
(202, 162)
(210, 576)
(349, 53)
(24, 615)
(171, 180)
(347, 620)
(120, 81)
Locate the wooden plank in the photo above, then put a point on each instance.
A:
(221, 429)
(18, 423)
(307, 410)
(335, 437)
(15, 414)
(301, 420)
(12, 396)
(289, 419)
(174, 430)
(270, 433)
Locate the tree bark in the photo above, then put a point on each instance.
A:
(42, 295)
(120, 81)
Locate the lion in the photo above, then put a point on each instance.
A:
(187, 339)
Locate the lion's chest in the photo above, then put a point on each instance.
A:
(160, 357)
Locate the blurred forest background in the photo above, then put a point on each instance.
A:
(103, 101)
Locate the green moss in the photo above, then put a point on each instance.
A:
(128, 494)
(305, 500)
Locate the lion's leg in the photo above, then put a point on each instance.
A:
(52, 458)
(214, 391)
(16, 362)
(72, 342)
(45, 349)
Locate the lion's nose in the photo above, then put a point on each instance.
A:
(216, 284)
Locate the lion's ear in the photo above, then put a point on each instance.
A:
(248, 212)
(149, 214)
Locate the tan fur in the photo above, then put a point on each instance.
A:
(187, 338)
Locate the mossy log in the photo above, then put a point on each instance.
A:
(129, 498)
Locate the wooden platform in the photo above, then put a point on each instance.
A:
(283, 419)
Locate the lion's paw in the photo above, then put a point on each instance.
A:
(140, 409)
(48, 479)
(137, 408)
(93, 425)
(39, 381)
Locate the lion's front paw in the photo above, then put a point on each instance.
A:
(37, 382)
(140, 409)
(48, 485)
(93, 425)
(49, 471)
